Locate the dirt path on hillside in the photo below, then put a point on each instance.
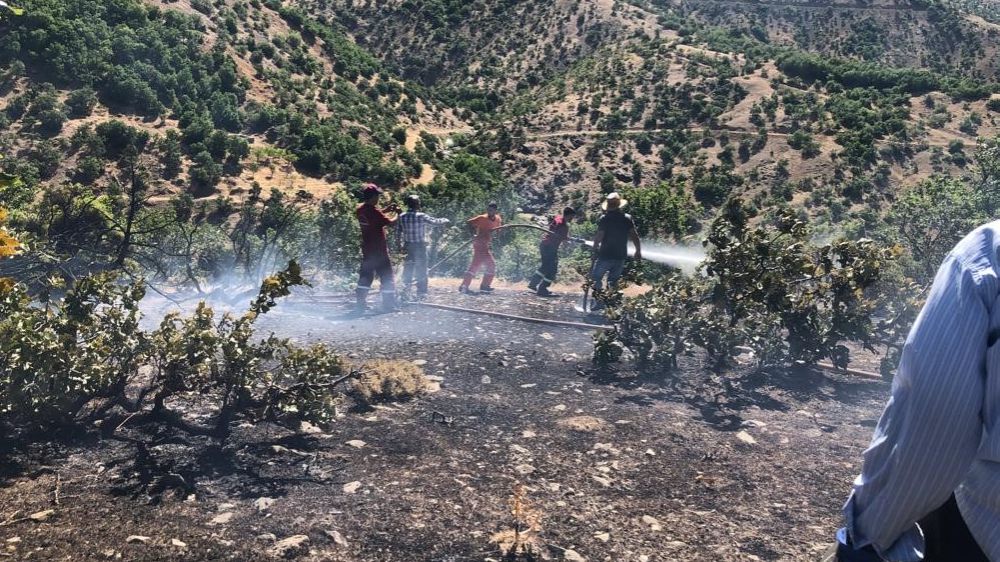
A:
(817, 5)
(640, 130)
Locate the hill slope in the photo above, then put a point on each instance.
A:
(575, 99)
(912, 33)
(205, 94)
(712, 98)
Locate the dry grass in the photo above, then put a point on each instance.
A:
(521, 542)
(386, 380)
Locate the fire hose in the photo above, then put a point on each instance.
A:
(516, 317)
(515, 225)
(826, 366)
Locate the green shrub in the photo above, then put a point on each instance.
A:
(81, 102)
(765, 288)
(47, 378)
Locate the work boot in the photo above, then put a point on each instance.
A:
(533, 283)
(543, 289)
(486, 289)
(464, 289)
(361, 296)
(388, 302)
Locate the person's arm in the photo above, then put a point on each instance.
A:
(435, 221)
(633, 235)
(930, 430)
(598, 239)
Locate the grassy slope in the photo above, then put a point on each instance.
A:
(559, 75)
(296, 72)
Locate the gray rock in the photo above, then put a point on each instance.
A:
(290, 547)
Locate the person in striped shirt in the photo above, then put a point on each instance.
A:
(929, 487)
(411, 234)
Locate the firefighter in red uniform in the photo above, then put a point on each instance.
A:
(374, 250)
(549, 249)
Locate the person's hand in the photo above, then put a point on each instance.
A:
(845, 552)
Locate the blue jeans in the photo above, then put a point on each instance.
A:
(610, 267)
(415, 263)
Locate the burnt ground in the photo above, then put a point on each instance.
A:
(691, 465)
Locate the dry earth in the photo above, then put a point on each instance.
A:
(615, 466)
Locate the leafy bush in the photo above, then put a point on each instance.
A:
(663, 210)
(8, 244)
(117, 137)
(88, 170)
(205, 174)
(767, 289)
(803, 141)
(81, 102)
(85, 358)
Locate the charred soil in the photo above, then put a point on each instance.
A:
(687, 465)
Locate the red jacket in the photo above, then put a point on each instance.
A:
(373, 223)
(559, 232)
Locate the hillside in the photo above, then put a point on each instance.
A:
(660, 110)
(212, 98)
(933, 34)
(665, 100)
(573, 97)
(710, 98)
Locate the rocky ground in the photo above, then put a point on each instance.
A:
(616, 466)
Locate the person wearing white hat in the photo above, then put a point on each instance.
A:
(615, 229)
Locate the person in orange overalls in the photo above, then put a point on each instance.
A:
(482, 257)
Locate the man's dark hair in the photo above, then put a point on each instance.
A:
(412, 202)
(493, 205)
(569, 211)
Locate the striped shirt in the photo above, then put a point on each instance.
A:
(939, 432)
(413, 226)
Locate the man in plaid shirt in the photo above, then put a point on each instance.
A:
(412, 233)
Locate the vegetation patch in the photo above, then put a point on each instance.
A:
(387, 380)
